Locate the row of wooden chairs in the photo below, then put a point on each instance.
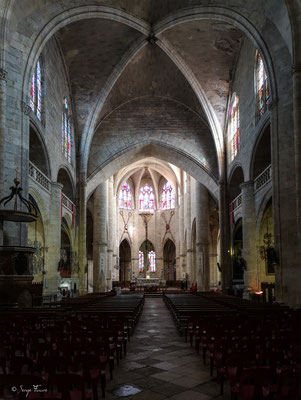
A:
(256, 348)
(65, 350)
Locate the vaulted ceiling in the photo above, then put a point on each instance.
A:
(95, 50)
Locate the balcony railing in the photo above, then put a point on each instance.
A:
(263, 178)
(237, 202)
(67, 203)
(39, 177)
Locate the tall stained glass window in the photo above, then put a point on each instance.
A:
(66, 130)
(168, 197)
(36, 91)
(152, 261)
(262, 86)
(233, 128)
(141, 261)
(146, 198)
(125, 197)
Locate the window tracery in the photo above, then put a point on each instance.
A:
(141, 261)
(125, 197)
(66, 130)
(152, 261)
(36, 91)
(146, 198)
(234, 128)
(168, 197)
(262, 86)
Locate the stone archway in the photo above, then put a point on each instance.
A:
(125, 261)
(169, 256)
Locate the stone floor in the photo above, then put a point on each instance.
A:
(160, 364)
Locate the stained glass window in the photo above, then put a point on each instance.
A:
(152, 261)
(66, 130)
(168, 198)
(141, 261)
(146, 198)
(233, 128)
(36, 91)
(262, 85)
(125, 197)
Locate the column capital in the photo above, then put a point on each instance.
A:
(57, 185)
(246, 185)
(272, 104)
(296, 68)
(25, 108)
(3, 74)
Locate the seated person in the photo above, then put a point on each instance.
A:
(193, 288)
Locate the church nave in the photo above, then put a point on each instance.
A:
(160, 363)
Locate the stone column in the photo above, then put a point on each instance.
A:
(296, 71)
(111, 211)
(100, 239)
(182, 266)
(202, 237)
(53, 239)
(188, 234)
(3, 75)
(82, 256)
(249, 234)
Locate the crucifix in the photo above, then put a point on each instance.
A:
(146, 218)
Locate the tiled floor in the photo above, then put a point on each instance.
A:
(160, 364)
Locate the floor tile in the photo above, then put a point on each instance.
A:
(190, 395)
(161, 364)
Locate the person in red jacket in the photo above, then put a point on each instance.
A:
(193, 288)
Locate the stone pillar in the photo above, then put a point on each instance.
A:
(182, 267)
(224, 228)
(3, 75)
(296, 71)
(111, 212)
(249, 234)
(202, 237)
(188, 234)
(53, 239)
(82, 256)
(100, 239)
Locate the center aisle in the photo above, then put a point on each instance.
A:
(160, 364)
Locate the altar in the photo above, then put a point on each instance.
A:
(150, 282)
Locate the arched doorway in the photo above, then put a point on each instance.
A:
(169, 256)
(125, 261)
